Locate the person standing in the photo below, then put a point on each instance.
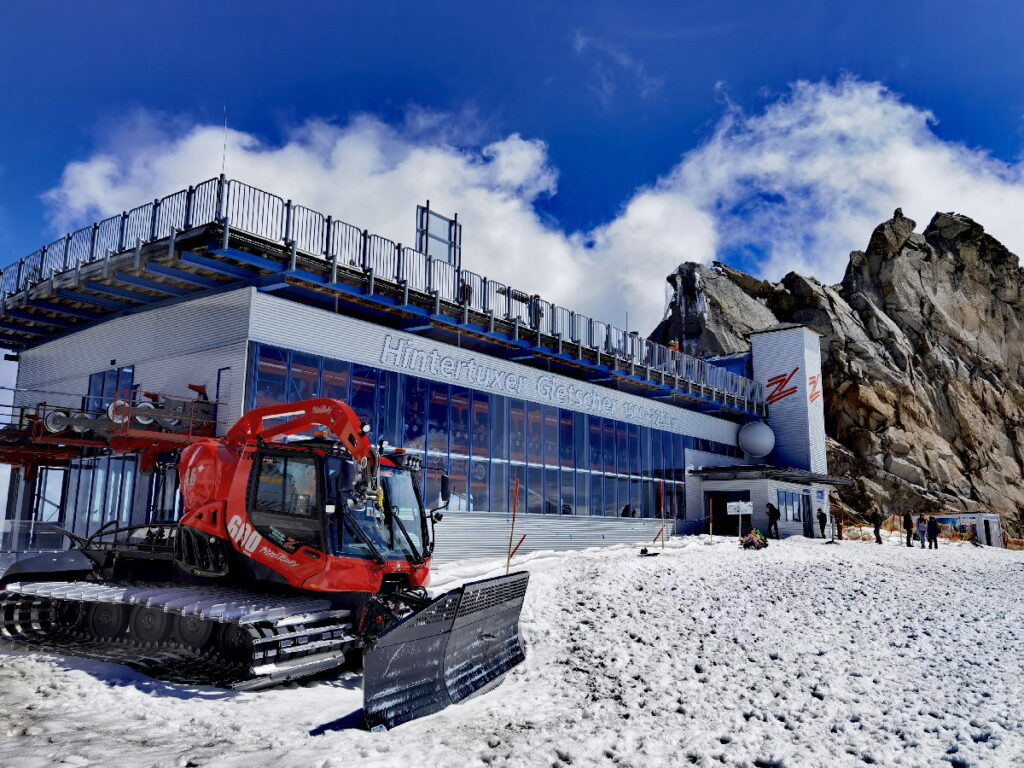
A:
(908, 526)
(922, 529)
(876, 522)
(933, 533)
(773, 520)
(822, 519)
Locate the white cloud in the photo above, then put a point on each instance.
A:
(803, 182)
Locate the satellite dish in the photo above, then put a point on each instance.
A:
(757, 439)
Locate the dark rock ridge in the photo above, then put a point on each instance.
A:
(922, 354)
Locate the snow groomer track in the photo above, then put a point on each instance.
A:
(214, 636)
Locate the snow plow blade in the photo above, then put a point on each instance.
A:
(458, 645)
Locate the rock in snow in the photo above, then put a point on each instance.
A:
(921, 354)
(801, 654)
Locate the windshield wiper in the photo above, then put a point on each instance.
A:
(363, 535)
(416, 557)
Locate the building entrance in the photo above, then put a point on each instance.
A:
(717, 508)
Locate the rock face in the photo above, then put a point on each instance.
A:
(922, 355)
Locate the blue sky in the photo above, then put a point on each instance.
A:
(641, 127)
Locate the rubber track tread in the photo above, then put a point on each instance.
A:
(285, 646)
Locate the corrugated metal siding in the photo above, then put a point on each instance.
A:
(307, 329)
(480, 534)
(799, 425)
(170, 347)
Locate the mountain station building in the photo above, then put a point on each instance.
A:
(233, 292)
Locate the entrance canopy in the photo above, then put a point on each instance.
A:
(768, 472)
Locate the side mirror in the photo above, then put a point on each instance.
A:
(446, 489)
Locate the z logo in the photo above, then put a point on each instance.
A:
(779, 386)
(814, 383)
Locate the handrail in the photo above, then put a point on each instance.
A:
(256, 212)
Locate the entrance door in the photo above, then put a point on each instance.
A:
(716, 506)
(988, 533)
(808, 518)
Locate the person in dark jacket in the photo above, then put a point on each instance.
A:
(773, 520)
(822, 519)
(933, 533)
(908, 526)
(876, 522)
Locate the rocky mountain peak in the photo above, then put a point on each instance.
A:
(922, 359)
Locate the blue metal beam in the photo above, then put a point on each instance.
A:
(88, 298)
(182, 276)
(44, 319)
(153, 285)
(20, 329)
(121, 293)
(219, 267)
(248, 258)
(10, 343)
(53, 306)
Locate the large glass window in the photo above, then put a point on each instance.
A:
(415, 419)
(621, 448)
(458, 478)
(596, 432)
(552, 492)
(363, 399)
(517, 430)
(790, 506)
(550, 436)
(481, 424)
(608, 446)
(389, 408)
(633, 436)
(517, 473)
(568, 492)
(566, 439)
(596, 495)
(478, 485)
(271, 376)
(437, 419)
(336, 380)
(433, 468)
(499, 426)
(460, 421)
(534, 434)
(500, 485)
(598, 465)
(582, 493)
(535, 489)
(305, 377)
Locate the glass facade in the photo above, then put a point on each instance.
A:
(566, 462)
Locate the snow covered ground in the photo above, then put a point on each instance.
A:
(803, 654)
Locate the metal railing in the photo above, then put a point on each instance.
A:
(344, 246)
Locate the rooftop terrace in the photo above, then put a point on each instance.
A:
(223, 234)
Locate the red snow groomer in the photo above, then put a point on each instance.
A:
(289, 557)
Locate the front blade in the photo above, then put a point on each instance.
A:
(460, 643)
